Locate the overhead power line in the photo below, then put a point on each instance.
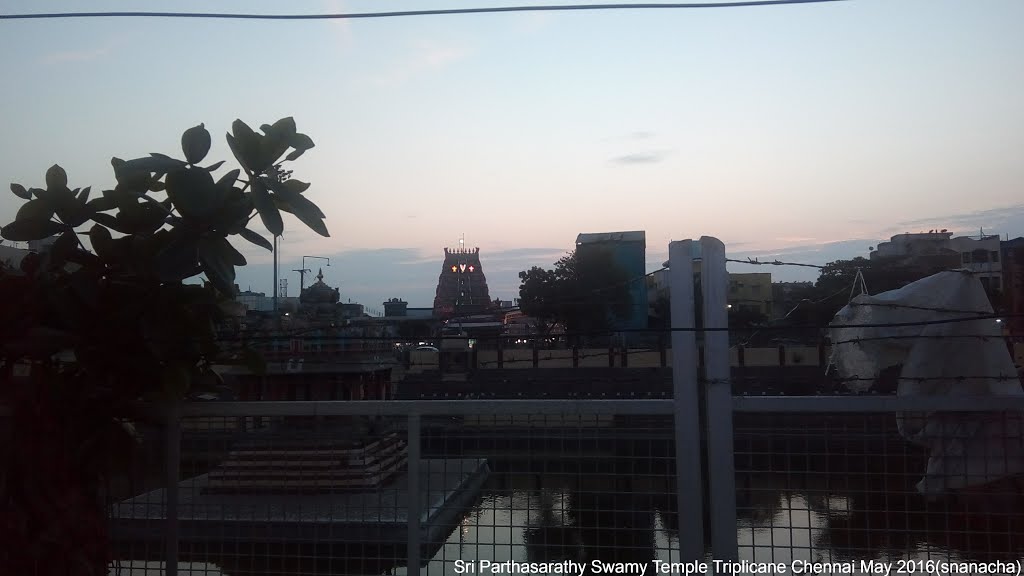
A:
(395, 14)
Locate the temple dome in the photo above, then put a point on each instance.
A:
(320, 293)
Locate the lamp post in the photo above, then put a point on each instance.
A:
(302, 271)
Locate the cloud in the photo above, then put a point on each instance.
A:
(533, 22)
(1005, 220)
(341, 28)
(641, 135)
(426, 57)
(640, 158)
(80, 55)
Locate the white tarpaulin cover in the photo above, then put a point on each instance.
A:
(942, 359)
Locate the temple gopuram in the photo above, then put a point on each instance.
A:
(461, 286)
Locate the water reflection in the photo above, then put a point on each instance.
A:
(808, 510)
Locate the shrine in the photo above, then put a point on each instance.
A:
(461, 286)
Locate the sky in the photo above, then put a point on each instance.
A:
(805, 133)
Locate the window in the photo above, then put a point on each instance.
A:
(995, 256)
(967, 257)
(979, 256)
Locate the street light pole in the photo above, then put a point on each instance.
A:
(302, 271)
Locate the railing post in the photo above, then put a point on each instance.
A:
(686, 419)
(823, 357)
(173, 470)
(501, 355)
(741, 355)
(782, 354)
(536, 355)
(662, 352)
(611, 355)
(414, 506)
(721, 457)
(474, 359)
(575, 357)
(625, 357)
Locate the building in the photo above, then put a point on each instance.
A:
(1012, 256)
(395, 307)
(461, 286)
(751, 292)
(935, 249)
(629, 251)
(787, 295)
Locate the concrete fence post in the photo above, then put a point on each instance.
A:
(721, 464)
(689, 472)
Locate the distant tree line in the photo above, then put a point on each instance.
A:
(585, 292)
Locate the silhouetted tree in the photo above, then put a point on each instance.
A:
(583, 292)
(125, 316)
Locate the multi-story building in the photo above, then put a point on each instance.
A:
(629, 251)
(980, 254)
(1012, 255)
(751, 292)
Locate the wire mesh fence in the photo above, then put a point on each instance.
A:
(401, 488)
(831, 480)
(296, 488)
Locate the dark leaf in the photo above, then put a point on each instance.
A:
(294, 154)
(278, 140)
(234, 256)
(84, 195)
(101, 241)
(268, 210)
(306, 211)
(65, 244)
(230, 178)
(296, 186)
(30, 263)
(301, 142)
(194, 193)
(56, 177)
(110, 221)
(215, 256)
(35, 210)
(256, 239)
(245, 145)
(28, 230)
(157, 186)
(143, 219)
(83, 258)
(20, 192)
(178, 260)
(195, 144)
(158, 164)
(254, 361)
(102, 204)
(213, 167)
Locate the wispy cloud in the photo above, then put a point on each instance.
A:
(79, 55)
(1009, 219)
(341, 28)
(641, 135)
(640, 158)
(426, 57)
(533, 22)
